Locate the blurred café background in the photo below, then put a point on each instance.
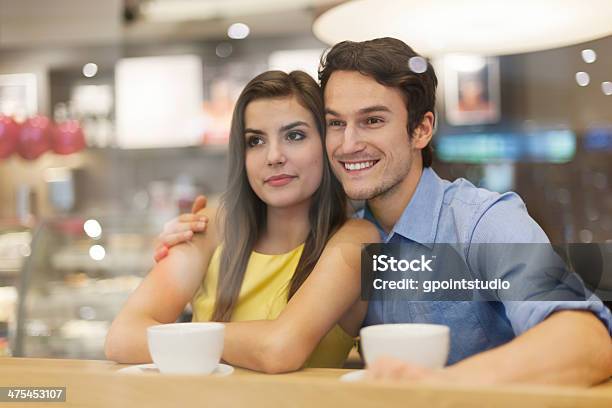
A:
(114, 115)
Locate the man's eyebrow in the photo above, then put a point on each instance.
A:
(292, 125)
(369, 109)
(375, 108)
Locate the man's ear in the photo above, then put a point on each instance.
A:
(424, 131)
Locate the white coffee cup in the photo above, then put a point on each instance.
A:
(186, 348)
(426, 345)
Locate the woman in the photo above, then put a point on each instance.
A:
(290, 286)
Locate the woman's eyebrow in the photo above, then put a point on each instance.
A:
(292, 125)
(256, 131)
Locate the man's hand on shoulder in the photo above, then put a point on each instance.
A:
(182, 228)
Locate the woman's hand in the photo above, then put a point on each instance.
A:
(181, 229)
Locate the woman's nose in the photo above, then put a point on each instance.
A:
(275, 155)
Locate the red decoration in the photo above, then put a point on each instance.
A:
(9, 136)
(68, 138)
(35, 137)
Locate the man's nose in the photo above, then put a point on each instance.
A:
(351, 142)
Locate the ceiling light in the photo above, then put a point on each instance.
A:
(417, 65)
(582, 78)
(606, 88)
(90, 70)
(470, 26)
(190, 10)
(92, 228)
(97, 252)
(589, 56)
(238, 31)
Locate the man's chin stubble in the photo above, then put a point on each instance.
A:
(381, 193)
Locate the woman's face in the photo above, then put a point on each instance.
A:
(284, 153)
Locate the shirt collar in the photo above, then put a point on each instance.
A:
(419, 220)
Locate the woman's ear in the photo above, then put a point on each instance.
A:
(424, 131)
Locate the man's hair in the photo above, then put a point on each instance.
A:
(387, 61)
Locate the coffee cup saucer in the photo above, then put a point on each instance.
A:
(222, 370)
(353, 376)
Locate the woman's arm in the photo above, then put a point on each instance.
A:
(333, 287)
(161, 297)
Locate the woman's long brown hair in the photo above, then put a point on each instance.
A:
(244, 214)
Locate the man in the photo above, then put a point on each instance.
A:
(380, 124)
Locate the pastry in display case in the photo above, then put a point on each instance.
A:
(79, 274)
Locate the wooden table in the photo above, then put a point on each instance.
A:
(91, 383)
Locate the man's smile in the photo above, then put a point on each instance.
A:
(358, 166)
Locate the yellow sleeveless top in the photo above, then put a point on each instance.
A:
(263, 296)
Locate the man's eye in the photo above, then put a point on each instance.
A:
(334, 123)
(373, 121)
(254, 141)
(295, 136)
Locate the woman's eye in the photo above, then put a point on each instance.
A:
(295, 136)
(254, 141)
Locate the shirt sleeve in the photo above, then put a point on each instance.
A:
(505, 221)
(524, 315)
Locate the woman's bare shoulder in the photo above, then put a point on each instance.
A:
(357, 230)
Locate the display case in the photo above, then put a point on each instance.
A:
(79, 274)
(15, 242)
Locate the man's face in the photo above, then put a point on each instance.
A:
(367, 135)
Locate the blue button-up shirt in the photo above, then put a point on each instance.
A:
(458, 213)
